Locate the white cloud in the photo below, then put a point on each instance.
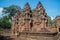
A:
(1, 10)
(52, 18)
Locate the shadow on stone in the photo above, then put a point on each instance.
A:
(5, 38)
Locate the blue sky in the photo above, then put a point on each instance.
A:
(52, 7)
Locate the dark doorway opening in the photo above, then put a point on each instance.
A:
(31, 24)
(59, 29)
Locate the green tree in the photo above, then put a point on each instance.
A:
(11, 10)
(51, 22)
(4, 22)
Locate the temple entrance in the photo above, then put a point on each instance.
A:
(59, 29)
(31, 24)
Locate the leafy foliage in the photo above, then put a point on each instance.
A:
(11, 10)
(51, 22)
(5, 23)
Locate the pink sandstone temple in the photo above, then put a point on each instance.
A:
(36, 22)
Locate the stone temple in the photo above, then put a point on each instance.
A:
(36, 22)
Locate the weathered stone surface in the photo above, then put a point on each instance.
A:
(34, 23)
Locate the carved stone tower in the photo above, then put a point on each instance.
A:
(39, 18)
(25, 18)
(15, 25)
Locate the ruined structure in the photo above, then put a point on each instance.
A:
(35, 23)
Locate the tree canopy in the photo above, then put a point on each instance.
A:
(11, 10)
(4, 22)
(51, 22)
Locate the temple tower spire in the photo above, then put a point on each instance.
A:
(40, 18)
(39, 7)
(27, 8)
